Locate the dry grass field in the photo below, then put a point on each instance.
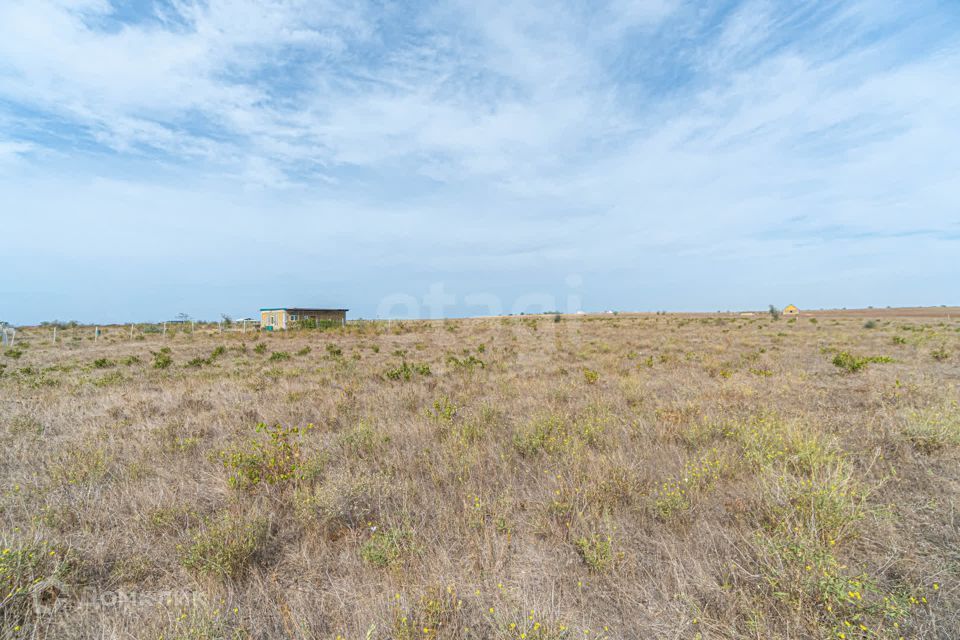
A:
(508, 478)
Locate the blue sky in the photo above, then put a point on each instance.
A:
(168, 156)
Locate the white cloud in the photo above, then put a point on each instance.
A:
(525, 135)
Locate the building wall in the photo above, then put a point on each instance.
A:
(332, 316)
(276, 318)
(284, 318)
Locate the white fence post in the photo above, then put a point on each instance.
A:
(54, 334)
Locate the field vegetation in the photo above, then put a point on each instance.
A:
(521, 478)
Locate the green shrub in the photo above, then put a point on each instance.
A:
(870, 324)
(852, 363)
(226, 547)
(334, 351)
(548, 434)
(260, 349)
(387, 547)
(940, 354)
(422, 369)
(591, 376)
(469, 363)
(596, 551)
(274, 457)
(103, 363)
(279, 356)
(13, 353)
(405, 371)
(162, 359)
(304, 351)
(443, 410)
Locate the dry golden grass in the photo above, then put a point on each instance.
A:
(515, 478)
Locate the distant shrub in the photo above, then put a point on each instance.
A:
(591, 376)
(304, 351)
(940, 354)
(775, 313)
(162, 359)
(217, 352)
(852, 363)
(279, 356)
(899, 340)
(13, 353)
(870, 324)
(103, 363)
(131, 360)
(422, 368)
(260, 349)
(334, 351)
(469, 362)
(405, 371)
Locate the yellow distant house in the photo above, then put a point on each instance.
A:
(791, 310)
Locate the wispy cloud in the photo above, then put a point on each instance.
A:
(583, 137)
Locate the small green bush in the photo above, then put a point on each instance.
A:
(279, 356)
(162, 359)
(596, 551)
(468, 363)
(275, 458)
(405, 371)
(940, 354)
(386, 548)
(226, 547)
(852, 364)
(103, 363)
